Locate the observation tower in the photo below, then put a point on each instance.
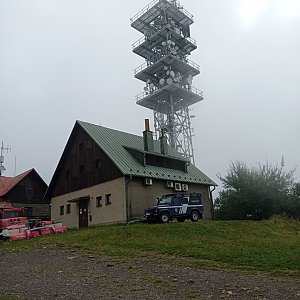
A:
(167, 71)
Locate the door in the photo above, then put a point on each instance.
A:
(83, 214)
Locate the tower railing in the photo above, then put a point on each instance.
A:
(145, 9)
(151, 4)
(143, 39)
(190, 89)
(158, 57)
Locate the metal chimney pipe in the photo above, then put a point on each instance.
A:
(148, 137)
(147, 125)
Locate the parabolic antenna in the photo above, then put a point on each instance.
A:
(166, 68)
(173, 51)
(169, 80)
(151, 86)
(162, 81)
(172, 74)
(164, 44)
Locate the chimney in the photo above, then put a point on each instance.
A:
(163, 143)
(148, 137)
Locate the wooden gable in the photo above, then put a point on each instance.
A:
(29, 190)
(83, 164)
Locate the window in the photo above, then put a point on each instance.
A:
(29, 192)
(98, 201)
(185, 200)
(62, 210)
(68, 209)
(176, 201)
(108, 199)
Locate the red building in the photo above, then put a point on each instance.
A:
(26, 190)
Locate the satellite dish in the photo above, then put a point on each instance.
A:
(151, 86)
(173, 43)
(177, 30)
(166, 68)
(168, 72)
(145, 89)
(176, 48)
(164, 44)
(172, 74)
(162, 81)
(169, 42)
(148, 81)
(173, 51)
(169, 80)
(179, 77)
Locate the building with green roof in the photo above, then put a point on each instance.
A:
(108, 176)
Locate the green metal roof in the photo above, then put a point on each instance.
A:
(114, 144)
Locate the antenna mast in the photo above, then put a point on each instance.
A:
(167, 72)
(7, 149)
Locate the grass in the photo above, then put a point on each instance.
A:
(8, 297)
(270, 246)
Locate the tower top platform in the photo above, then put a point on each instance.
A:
(155, 9)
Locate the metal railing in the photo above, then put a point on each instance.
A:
(145, 9)
(159, 57)
(139, 42)
(190, 89)
(143, 38)
(151, 4)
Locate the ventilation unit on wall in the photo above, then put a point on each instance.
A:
(177, 187)
(170, 184)
(148, 181)
(185, 187)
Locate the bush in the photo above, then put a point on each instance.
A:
(257, 193)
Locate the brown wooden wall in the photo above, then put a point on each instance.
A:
(31, 190)
(82, 165)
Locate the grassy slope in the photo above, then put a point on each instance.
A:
(271, 246)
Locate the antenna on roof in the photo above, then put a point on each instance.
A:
(7, 149)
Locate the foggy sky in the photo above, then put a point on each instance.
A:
(63, 60)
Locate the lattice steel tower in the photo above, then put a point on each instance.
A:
(167, 72)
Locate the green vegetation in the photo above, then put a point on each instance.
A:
(8, 297)
(271, 246)
(258, 193)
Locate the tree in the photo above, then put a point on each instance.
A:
(257, 193)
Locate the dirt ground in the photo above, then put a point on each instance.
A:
(66, 274)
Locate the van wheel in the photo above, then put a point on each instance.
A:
(194, 216)
(164, 217)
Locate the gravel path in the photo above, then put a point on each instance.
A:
(66, 274)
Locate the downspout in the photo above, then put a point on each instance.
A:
(212, 203)
(128, 202)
